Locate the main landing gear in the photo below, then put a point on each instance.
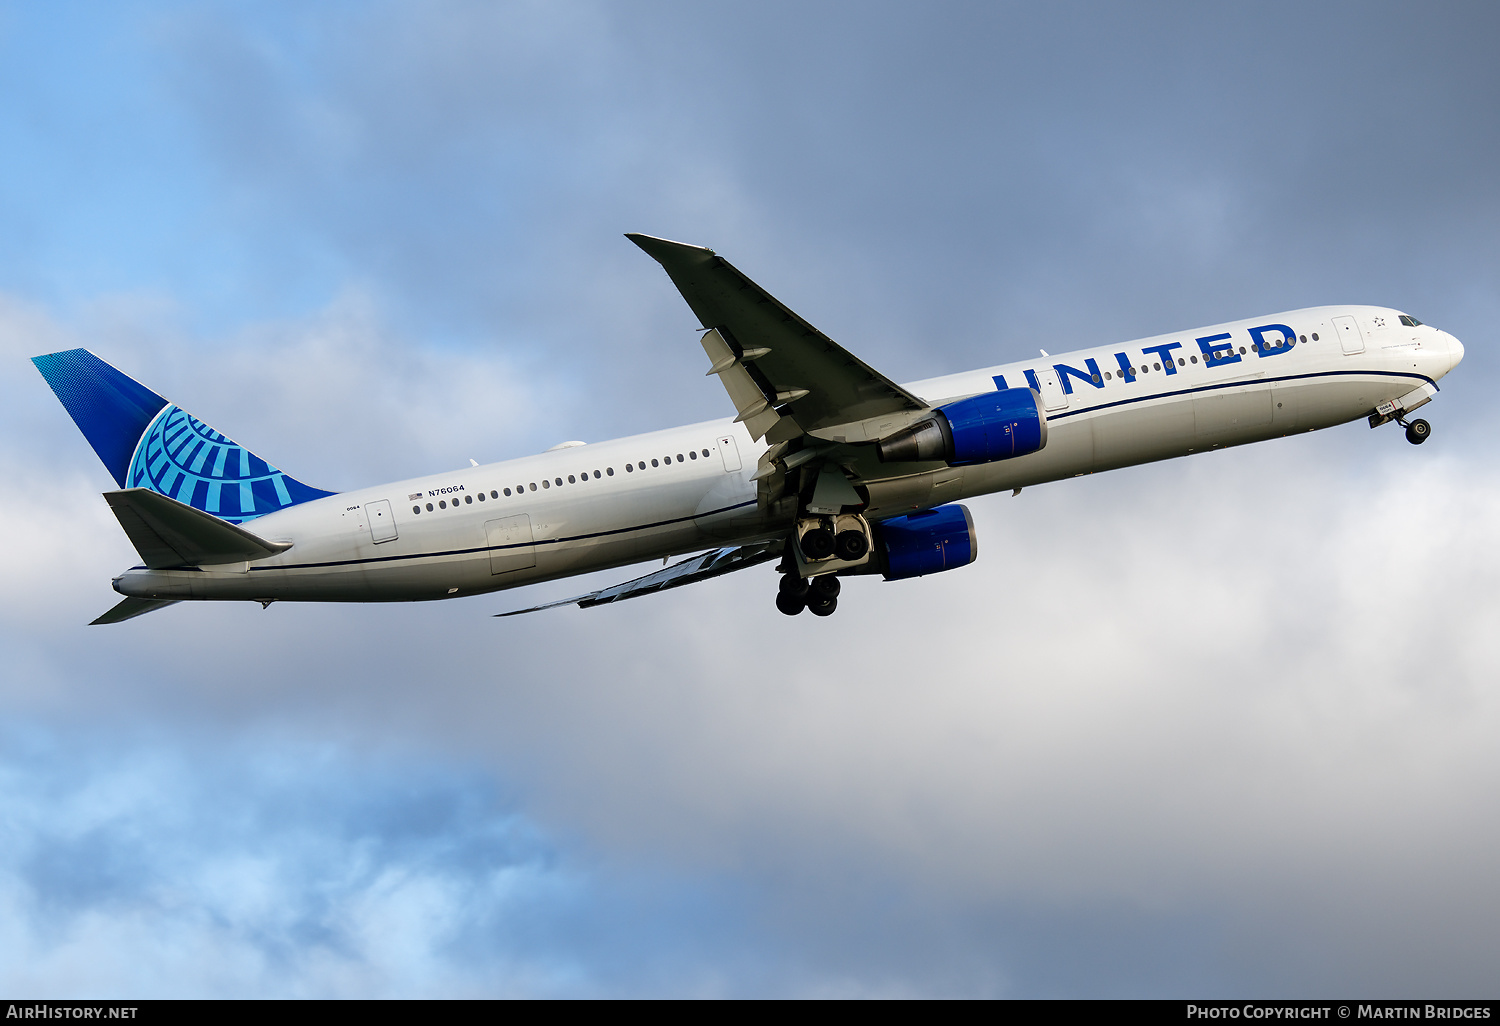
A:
(819, 595)
(822, 546)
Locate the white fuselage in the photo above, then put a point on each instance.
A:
(579, 509)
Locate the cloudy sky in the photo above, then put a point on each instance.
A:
(1221, 726)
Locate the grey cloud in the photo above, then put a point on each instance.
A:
(944, 184)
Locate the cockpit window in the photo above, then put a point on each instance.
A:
(1409, 321)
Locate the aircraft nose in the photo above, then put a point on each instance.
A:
(1455, 351)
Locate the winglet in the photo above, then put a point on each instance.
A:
(658, 248)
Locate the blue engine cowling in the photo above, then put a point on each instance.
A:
(928, 542)
(980, 429)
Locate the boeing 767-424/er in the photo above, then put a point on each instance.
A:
(828, 468)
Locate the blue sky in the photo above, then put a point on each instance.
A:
(1217, 726)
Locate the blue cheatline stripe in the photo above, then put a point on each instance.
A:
(499, 548)
(1240, 383)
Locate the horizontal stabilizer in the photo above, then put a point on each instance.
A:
(689, 571)
(131, 608)
(170, 533)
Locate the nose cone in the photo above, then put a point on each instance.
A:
(1455, 351)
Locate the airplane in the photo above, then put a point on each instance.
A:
(828, 467)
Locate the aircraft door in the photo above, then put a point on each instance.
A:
(1349, 335)
(511, 546)
(1053, 397)
(730, 452)
(382, 522)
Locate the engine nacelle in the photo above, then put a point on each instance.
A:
(980, 429)
(928, 542)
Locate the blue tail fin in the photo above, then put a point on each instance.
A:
(147, 442)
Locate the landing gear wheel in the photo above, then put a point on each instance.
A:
(791, 605)
(817, 543)
(851, 545)
(1418, 431)
(824, 586)
(823, 606)
(794, 586)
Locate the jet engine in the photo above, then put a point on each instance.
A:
(928, 542)
(981, 429)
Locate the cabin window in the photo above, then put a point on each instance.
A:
(1242, 350)
(642, 464)
(533, 485)
(468, 500)
(679, 458)
(1315, 336)
(495, 495)
(416, 509)
(1193, 358)
(1181, 362)
(507, 492)
(429, 507)
(546, 483)
(481, 496)
(1156, 366)
(693, 454)
(705, 454)
(630, 468)
(654, 463)
(442, 504)
(571, 479)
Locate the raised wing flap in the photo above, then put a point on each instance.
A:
(798, 370)
(170, 533)
(750, 401)
(689, 571)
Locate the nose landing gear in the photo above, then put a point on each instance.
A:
(1418, 430)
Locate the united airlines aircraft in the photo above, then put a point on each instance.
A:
(828, 468)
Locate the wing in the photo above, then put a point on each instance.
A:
(785, 377)
(689, 571)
